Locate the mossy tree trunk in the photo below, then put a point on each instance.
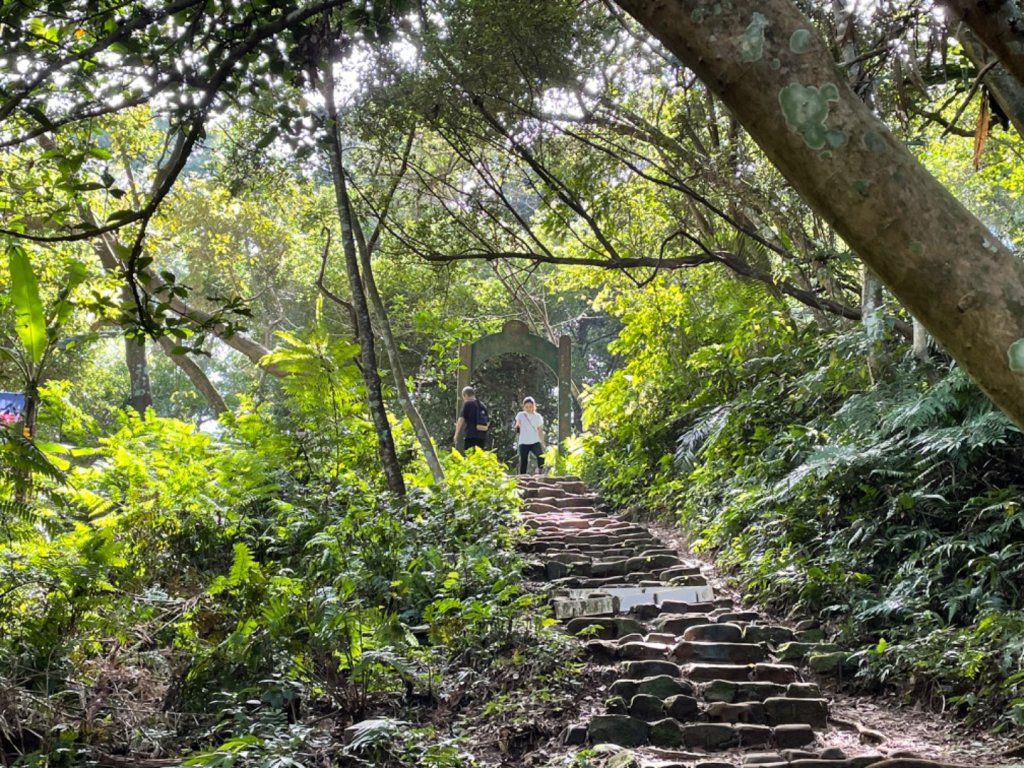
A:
(769, 64)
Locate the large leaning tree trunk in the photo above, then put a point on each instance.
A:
(364, 328)
(1004, 88)
(196, 375)
(999, 24)
(769, 64)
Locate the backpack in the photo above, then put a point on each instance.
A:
(483, 422)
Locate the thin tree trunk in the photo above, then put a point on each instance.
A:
(141, 397)
(364, 328)
(871, 298)
(768, 63)
(380, 314)
(920, 348)
(196, 375)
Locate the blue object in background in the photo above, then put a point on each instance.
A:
(11, 406)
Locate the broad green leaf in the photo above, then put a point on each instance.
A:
(28, 307)
(77, 272)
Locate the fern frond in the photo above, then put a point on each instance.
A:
(707, 427)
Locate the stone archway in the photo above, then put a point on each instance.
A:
(515, 338)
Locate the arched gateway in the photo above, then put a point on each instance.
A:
(515, 339)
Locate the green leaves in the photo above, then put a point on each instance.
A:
(29, 321)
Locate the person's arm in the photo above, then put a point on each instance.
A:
(540, 433)
(458, 428)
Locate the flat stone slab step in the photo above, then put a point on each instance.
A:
(629, 596)
(668, 733)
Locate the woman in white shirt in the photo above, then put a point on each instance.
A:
(530, 435)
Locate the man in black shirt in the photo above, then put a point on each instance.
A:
(469, 418)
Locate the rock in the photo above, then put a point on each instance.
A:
(616, 705)
(757, 690)
(534, 571)
(863, 761)
(651, 668)
(714, 764)
(741, 616)
(711, 736)
(720, 691)
(782, 711)
(595, 605)
(655, 551)
(741, 691)
(624, 759)
(794, 651)
(810, 636)
(701, 673)
(573, 736)
(661, 637)
(774, 673)
(722, 653)
(827, 663)
(645, 611)
(807, 624)
(753, 735)
(602, 750)
(646, 707)
(603, 629)
(678, 623)
(773, 635)
(664, 686)
(681, 570)
(608, 568)
(714, 633)
(667, 734)
(756, 758)
(724, 602)
(677, 606)
(819, 763)
(646, 563)
(682, 708)
(627, 689)
(832, 753)
(797, 735)
(623, 730)
(639, 651)
(799, 754)
(602, 651)
(751, 712)
(633, 637)
(684, 581)
(803, 691)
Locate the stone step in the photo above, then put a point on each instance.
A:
(669, 733)
(772, 673)
(722, 653)
(695, 674)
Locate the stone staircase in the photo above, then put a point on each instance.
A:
(698, 682)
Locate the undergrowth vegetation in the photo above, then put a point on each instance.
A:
(241, 597)
(888, 505)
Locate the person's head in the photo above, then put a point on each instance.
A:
(468, 393)
(529, 405)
